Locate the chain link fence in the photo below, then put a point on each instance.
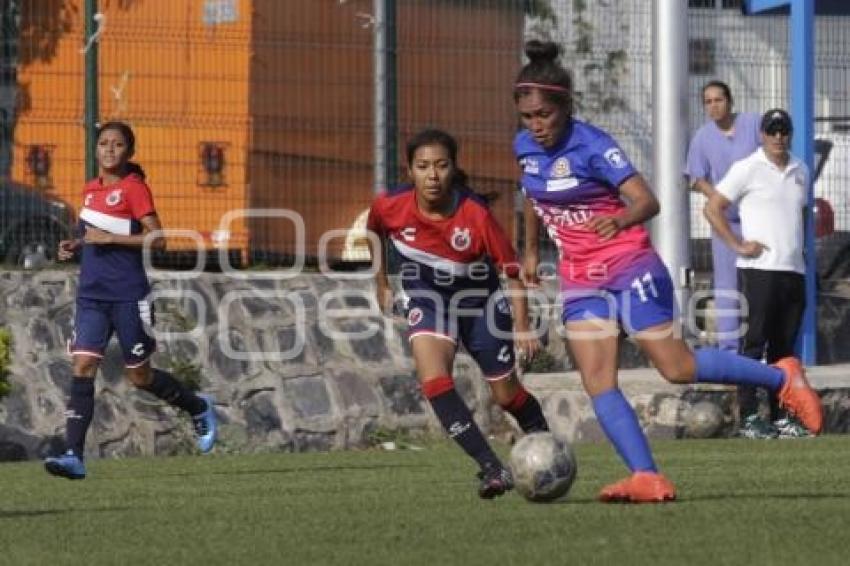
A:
(267, 105)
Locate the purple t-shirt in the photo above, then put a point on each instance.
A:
(711, 152)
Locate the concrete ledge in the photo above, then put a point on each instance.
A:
(642, 379)
(674, 411)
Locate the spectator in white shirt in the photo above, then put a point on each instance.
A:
(769, 188)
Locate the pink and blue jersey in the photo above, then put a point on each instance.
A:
(111, 272)
(568, 185)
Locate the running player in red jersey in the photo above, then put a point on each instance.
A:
(452, 254)
(117, 214)
(593, 202)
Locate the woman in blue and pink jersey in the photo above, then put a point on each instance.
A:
(116, 220)
(593, 203)
(451, 254)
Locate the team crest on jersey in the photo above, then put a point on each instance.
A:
(414, 317)
(799, 178)
(616, 158)
(114, 197)
(460, 239)
(89, 198)
(561, 168)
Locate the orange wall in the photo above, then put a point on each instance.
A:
(288, 88)
(177, 81)
(312, 102)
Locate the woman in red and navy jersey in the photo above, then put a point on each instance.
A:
(593, 203)
(117, 220)
(452, 253)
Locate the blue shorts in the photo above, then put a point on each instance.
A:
(485, 331)
(95, 321)
(649, 301)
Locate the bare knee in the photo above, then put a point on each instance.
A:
(677, 371)
(139, 376)
(504, 391)
(85, 366)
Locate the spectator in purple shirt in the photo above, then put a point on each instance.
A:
(725, 138)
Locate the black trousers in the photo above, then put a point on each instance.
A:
(776, 302)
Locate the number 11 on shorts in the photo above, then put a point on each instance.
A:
(644, 286)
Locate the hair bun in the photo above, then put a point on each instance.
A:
(542, 51)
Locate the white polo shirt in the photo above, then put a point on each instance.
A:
(770, 201)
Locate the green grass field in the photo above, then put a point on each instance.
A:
(741, 502)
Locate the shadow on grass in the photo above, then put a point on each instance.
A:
(263, 471)
(24, 513)
(700, 498)
(762, 496)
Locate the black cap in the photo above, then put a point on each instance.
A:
(776, 120)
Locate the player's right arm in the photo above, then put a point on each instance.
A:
(383, 292)
(697, 167)
(704, 187)
(68, 248)
(730, 189)
(531, 254)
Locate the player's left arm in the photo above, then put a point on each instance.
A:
(641, 206)
(610, 164)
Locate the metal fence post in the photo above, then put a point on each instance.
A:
(386, 127)
(91, 90)
(669, 136)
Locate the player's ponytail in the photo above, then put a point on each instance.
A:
(133, 168)
(543, 72)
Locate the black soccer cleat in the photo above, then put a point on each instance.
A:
(495, 480)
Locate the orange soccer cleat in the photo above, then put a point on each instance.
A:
(640, 487)
(798, 397)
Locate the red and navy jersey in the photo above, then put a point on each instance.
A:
(113, 272)
(465, 251)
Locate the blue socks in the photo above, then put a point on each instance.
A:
(719, 366)
(621, 426)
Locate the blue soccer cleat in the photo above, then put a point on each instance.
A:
(205, 425)
(68, 465)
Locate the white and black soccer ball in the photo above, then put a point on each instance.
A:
(703, 420)
(543, 467)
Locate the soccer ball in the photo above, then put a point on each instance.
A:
(703, 420)
(543, 467)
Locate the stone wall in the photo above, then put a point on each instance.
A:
(294, 364)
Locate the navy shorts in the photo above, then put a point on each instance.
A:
(95, 321)
(485, 330)
(647, 302)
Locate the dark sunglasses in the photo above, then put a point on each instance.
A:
(781, 130)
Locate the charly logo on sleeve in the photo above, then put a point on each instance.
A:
(408, 233)
(529, 165)
(616, 158)
(460, 240)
